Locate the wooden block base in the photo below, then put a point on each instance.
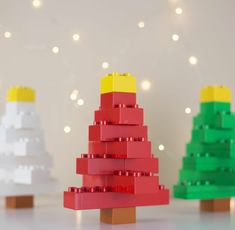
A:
(216, 205)
(118, 215)
(15, 202)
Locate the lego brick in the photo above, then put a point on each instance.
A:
(111, 100)
(117, 82)
(122, 148)
(118, 215)
(204, 162)
(124, 182)
(31, 175)
(207, 135)
(99, 166)
(120, 116)
(74, 199)
(220, 149)
(94, 180)
(29, 146)
(20, 93)
(216, 205)
(107, 166)
(215, 107)
(216, 121)
(222, 176)
(142, 165)
(202, 191)
(215, 93)
(128, 182)
(15, 202)
(114, 132)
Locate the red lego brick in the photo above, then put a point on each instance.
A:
(137, 184)
(97, 198)
(120, 116)
(142, 165)
(123, 149)
(125, 182)
(94, 181)
(114, 132)
(99, 166)
(109, 100)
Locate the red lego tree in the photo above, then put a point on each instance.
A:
(119, 171)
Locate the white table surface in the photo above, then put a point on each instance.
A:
(49, 214)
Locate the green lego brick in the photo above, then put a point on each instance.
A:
(202, 191)
(215, 107)
(204, 162)
(208, 135)
(221, 149)
(223, 176)
(218, 121)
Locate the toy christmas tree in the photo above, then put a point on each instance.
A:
(24, 163)
(119, 171)
(208, 171)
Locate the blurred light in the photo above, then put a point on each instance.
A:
(141, 24)
(175, 37)
(55, 50)
(145, 85)
(105, 65)
(192, 60)
(36, 3)
(74, 94)
(67, 129)
(188, 110)
(178, 11)
(161, 147)
(7, 34)
(80, 102)
(232, 204)
(76, 37)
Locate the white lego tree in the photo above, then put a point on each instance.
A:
(24, 163)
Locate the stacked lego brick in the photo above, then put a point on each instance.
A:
(23, 158)
(119, 169)
(209, 165)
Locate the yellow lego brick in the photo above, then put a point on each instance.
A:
(215, 93)
(21, 94)
(117, 82)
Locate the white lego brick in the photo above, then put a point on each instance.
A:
(6, 149)
(31, 175)
(29, 146)
(10, 134)
(17, 107)
(12, 189)
(23, 120)
(11, 162)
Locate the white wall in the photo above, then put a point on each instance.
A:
(108, 32)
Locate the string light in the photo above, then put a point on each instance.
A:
(36, 3)
(141, 24)
(7, 34)
(192, 60)
(161, 147)
(74, 94)
(76, 37)
(55, 50)
(188, 110)
(105, 65)
(145, 85)
(67, 129)
(80, 102)
(175, 37)
(178, 11)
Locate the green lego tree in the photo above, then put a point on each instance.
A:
(208, 171)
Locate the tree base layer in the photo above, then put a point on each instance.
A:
(216, 205)
(118, 215)
(15, 202)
